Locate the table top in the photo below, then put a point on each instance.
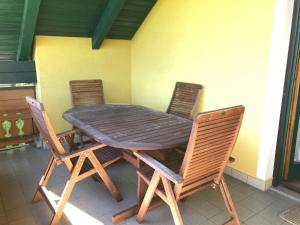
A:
(130, 126)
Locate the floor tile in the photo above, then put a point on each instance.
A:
(221, 218)
(24, 221)
(257, 220)
(265, 197)
(243, 212)
(3, 219)
(271, 214)
(253, 204)
(18, 213)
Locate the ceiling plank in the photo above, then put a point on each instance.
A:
(106, 21)
(29, 21)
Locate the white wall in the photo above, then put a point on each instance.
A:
(274, 91)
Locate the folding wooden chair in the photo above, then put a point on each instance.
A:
(211, 142)
(86, 92)
(74, 161)
(185, 99)
(183, 103)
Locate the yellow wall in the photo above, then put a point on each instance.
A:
(61, 59)
(223, 45)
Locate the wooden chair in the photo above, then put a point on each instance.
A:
(185, 99)
(211, 142)
(74, 161)
(183, 104)
(86, 92)
(90, 92)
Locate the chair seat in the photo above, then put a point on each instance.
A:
(106, 156)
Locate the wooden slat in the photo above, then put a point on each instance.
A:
(184, 195)
(198, 183)
(208, 150)
(216, 124)
(218, 130)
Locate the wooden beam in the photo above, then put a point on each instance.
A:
(29, 21)
(106, 21)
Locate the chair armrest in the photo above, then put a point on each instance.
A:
(77, 153)
(159, 167)
(69, 132)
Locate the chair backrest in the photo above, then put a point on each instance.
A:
(46, 130)
(86, 92)
(184, 100)
(211, 142)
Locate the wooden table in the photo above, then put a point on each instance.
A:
(131, 127)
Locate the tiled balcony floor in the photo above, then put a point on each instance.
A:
(92, 204)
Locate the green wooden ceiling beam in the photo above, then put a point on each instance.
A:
(29, 21)
(106, 21)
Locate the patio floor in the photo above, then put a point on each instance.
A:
(92, 204)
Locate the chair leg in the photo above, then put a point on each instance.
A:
(44, 180)
(172, 202)
(70, 140)
(104, 176)
(73, 136)
(67, 191)
(148, 197)
(229, 203)
(81, 140)
(141, 190)
(141, 184)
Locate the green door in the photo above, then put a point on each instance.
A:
(294, 167)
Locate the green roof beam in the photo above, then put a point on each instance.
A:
(29, 21)
(106, 21)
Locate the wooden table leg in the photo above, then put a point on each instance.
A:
(133, 210)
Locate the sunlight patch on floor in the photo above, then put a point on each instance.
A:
(74, 214)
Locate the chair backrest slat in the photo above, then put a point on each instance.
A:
(211, 142)
(42, 122)
(86, 92)
(184, 100)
